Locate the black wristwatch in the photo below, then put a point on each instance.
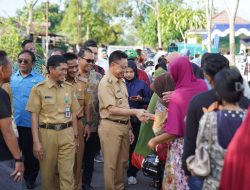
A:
(86, 123)
(19, 159)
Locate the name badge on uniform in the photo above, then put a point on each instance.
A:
(67, 112)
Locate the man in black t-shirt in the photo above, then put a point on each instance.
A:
(11, 162)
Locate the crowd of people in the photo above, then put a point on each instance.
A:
(58, 117)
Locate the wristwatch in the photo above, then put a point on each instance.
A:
(86, 123)
(20, 159)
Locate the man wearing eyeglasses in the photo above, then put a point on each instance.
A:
(39, 65)
(115, 129)
(21, 84)
(92, 45)
(86, 72)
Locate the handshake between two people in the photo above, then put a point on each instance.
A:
(144, 115)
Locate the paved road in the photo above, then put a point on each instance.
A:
(97, 183)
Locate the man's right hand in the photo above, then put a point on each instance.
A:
(17, 174)
(38, 150)
(141, 115)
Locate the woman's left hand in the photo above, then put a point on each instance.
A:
(152, 144)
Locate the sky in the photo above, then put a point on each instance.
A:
(9, 7)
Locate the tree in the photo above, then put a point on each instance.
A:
(175, 21)
(10, 37)
(55, 15)
(30, 5)
(232, 15)
(97, 20)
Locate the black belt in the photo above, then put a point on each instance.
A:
(57, 127)
(125, 122)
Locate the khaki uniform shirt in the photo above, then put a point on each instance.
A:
(112, 92)
(83, 94)
(53, 103)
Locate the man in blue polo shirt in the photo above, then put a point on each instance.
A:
(21, 84)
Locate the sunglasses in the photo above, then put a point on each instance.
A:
(25, 61)
(89, 60)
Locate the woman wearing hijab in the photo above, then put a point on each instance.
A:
(235, 173)
(146, 132)
(139, 96)
(186, 87)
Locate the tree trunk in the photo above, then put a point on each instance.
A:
(30, 6)
(209, 13)
(232, 16)
(29, 17)
(157, 10)
(79, 24)
(87, 31)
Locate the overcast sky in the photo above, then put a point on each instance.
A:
(9, 7)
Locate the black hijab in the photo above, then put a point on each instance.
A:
(132, 65)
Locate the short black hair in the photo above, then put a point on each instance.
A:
(55, 61)
(69, 56)
(90, 43)
(32, 55)
(139, 52)
(3, 58)
(229, 85)
(203, 57)
(117, 56)
(26, 42)
(55, 50)
(213, 63)
(83, 51)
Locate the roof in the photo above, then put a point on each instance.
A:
(222, 18)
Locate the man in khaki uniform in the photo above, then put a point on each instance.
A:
(115, 131)
(84, 97)
(53, 106)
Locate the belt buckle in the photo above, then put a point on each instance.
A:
(57, 127)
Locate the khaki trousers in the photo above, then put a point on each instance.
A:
(114, 138)
(79, 158)
(59, 149)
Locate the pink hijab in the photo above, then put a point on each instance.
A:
(186, 87)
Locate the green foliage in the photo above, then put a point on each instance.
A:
(55, 15)
(175, 21)
(10, 37)
(98, 16)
